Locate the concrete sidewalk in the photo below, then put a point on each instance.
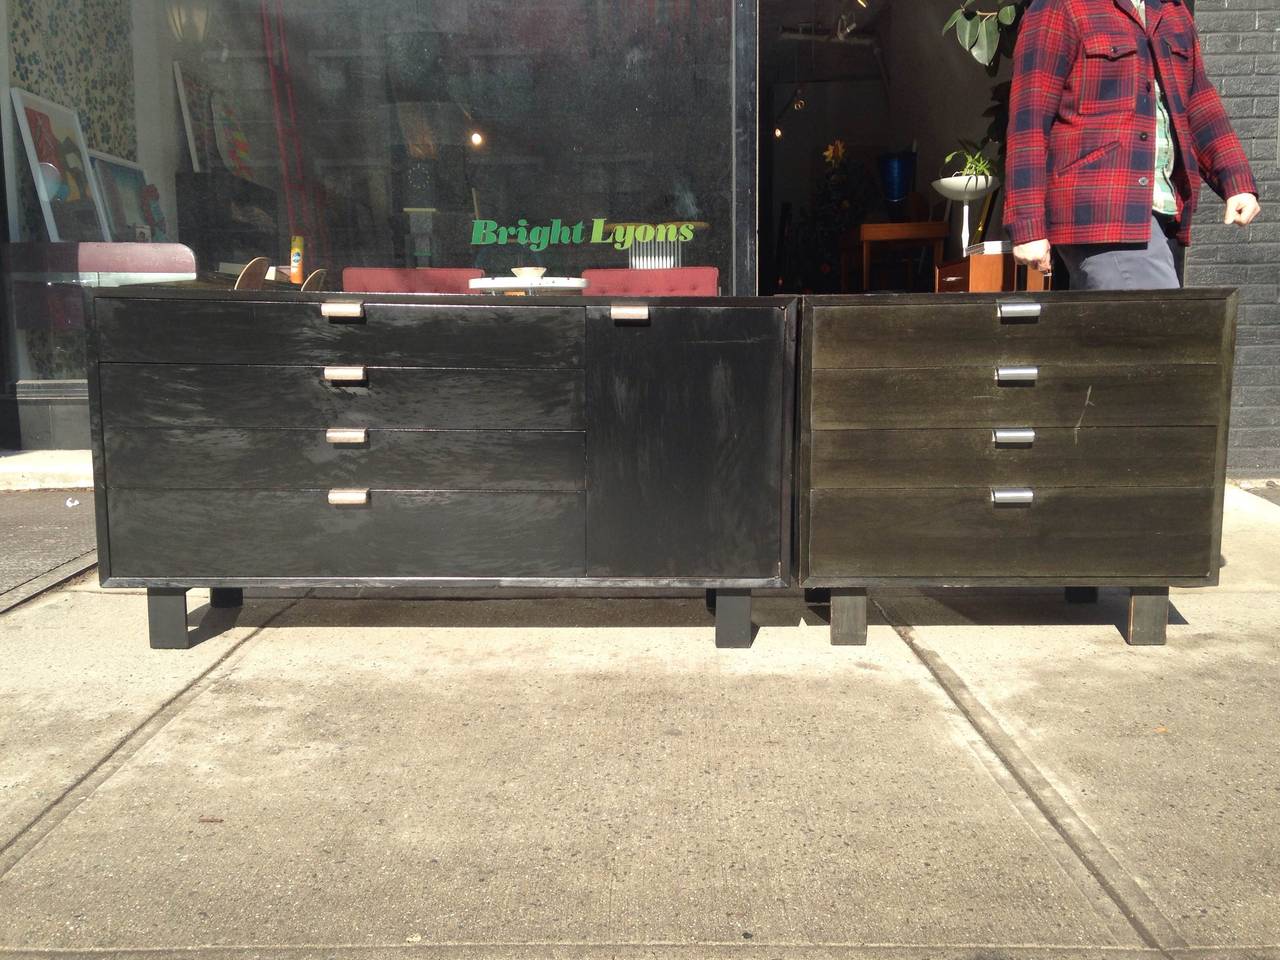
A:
(996, 775)
(46, 537)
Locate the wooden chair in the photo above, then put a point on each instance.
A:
(315, 281)
(254, 274)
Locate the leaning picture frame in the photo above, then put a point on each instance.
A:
(195, 100)
(122, 186)
(60, 168)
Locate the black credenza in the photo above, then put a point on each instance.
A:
(296, 440)
(341, 440)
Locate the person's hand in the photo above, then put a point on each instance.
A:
(1036, 254)
(1242, 208)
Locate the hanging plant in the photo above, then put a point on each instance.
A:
(986, 34)
(989, 35)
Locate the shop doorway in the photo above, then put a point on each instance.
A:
(860, 104)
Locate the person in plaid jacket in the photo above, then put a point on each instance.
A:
(1112, 127)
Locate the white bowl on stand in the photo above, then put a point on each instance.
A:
(965, 187)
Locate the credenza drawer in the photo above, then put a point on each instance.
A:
(1057, 395)
(290, 459)
(287, 534)
(390, 334)
(953, 331)
(1014, 455)
(246, 397)
(1075, 532)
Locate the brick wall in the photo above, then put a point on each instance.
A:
(1241, 43)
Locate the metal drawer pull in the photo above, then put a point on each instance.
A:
(1017, 374)
(345, 374)
(347, 435)
(342, 310)
(1013, 435)
(1018, 311)
(637, 313)
(348, 497)
(1007, 496)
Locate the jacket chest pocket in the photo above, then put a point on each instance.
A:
(1110, 74)
(1178, 64)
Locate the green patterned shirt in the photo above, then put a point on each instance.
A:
(1163, 198)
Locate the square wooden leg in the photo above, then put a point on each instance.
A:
(1148, 616)
(222, 598)
(167, 618)
(849, 617)
(733, 618)
(1081, 594)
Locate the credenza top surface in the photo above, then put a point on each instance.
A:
(179, 293)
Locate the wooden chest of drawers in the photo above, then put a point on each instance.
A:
(1060, 439)
(1064, 439)
(344, 440)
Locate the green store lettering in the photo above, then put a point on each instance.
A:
(538, 237)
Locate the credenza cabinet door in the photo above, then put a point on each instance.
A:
(688, 440)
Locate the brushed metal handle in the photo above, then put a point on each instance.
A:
(1017, 374)
(1018, 310)
(1013, 435)
(1012, 496)
(348, 496)
(342, 310)
(346, 435)
(635, 313)
(345, 374)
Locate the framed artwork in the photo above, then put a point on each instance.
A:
(122, 184)
(229, 137)
(60, 166)
(195, 97)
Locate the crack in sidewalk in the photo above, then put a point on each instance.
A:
(1148, 921)
(62, 806)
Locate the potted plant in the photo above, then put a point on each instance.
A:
(974, 179)
(973, 173)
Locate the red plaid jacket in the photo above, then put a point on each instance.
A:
(1082, 122)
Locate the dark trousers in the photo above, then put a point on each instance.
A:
(1154, 265)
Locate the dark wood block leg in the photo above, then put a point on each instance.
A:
(817, 596)
(167, 618)
(221, 598)
(849, 617)
(1148, 616)
(733, 618)
(1081, 594)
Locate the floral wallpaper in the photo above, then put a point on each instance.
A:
(79, 53)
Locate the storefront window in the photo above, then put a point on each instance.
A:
(482, 134)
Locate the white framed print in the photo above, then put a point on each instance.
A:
(60, 166)
(122, 185)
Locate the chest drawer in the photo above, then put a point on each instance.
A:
(255, 397)
(1057, 456)
(299, 459)
(388, 334)
(1056, 328)
(299, 534)
(1059, 395)
(961, 533)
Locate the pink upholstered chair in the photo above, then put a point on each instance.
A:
(664, 282)
(408, 279)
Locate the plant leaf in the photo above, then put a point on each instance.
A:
(953, 19)
(967, 30)
(1007, 14)
(984, 47)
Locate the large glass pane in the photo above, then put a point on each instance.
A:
(482, 134)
